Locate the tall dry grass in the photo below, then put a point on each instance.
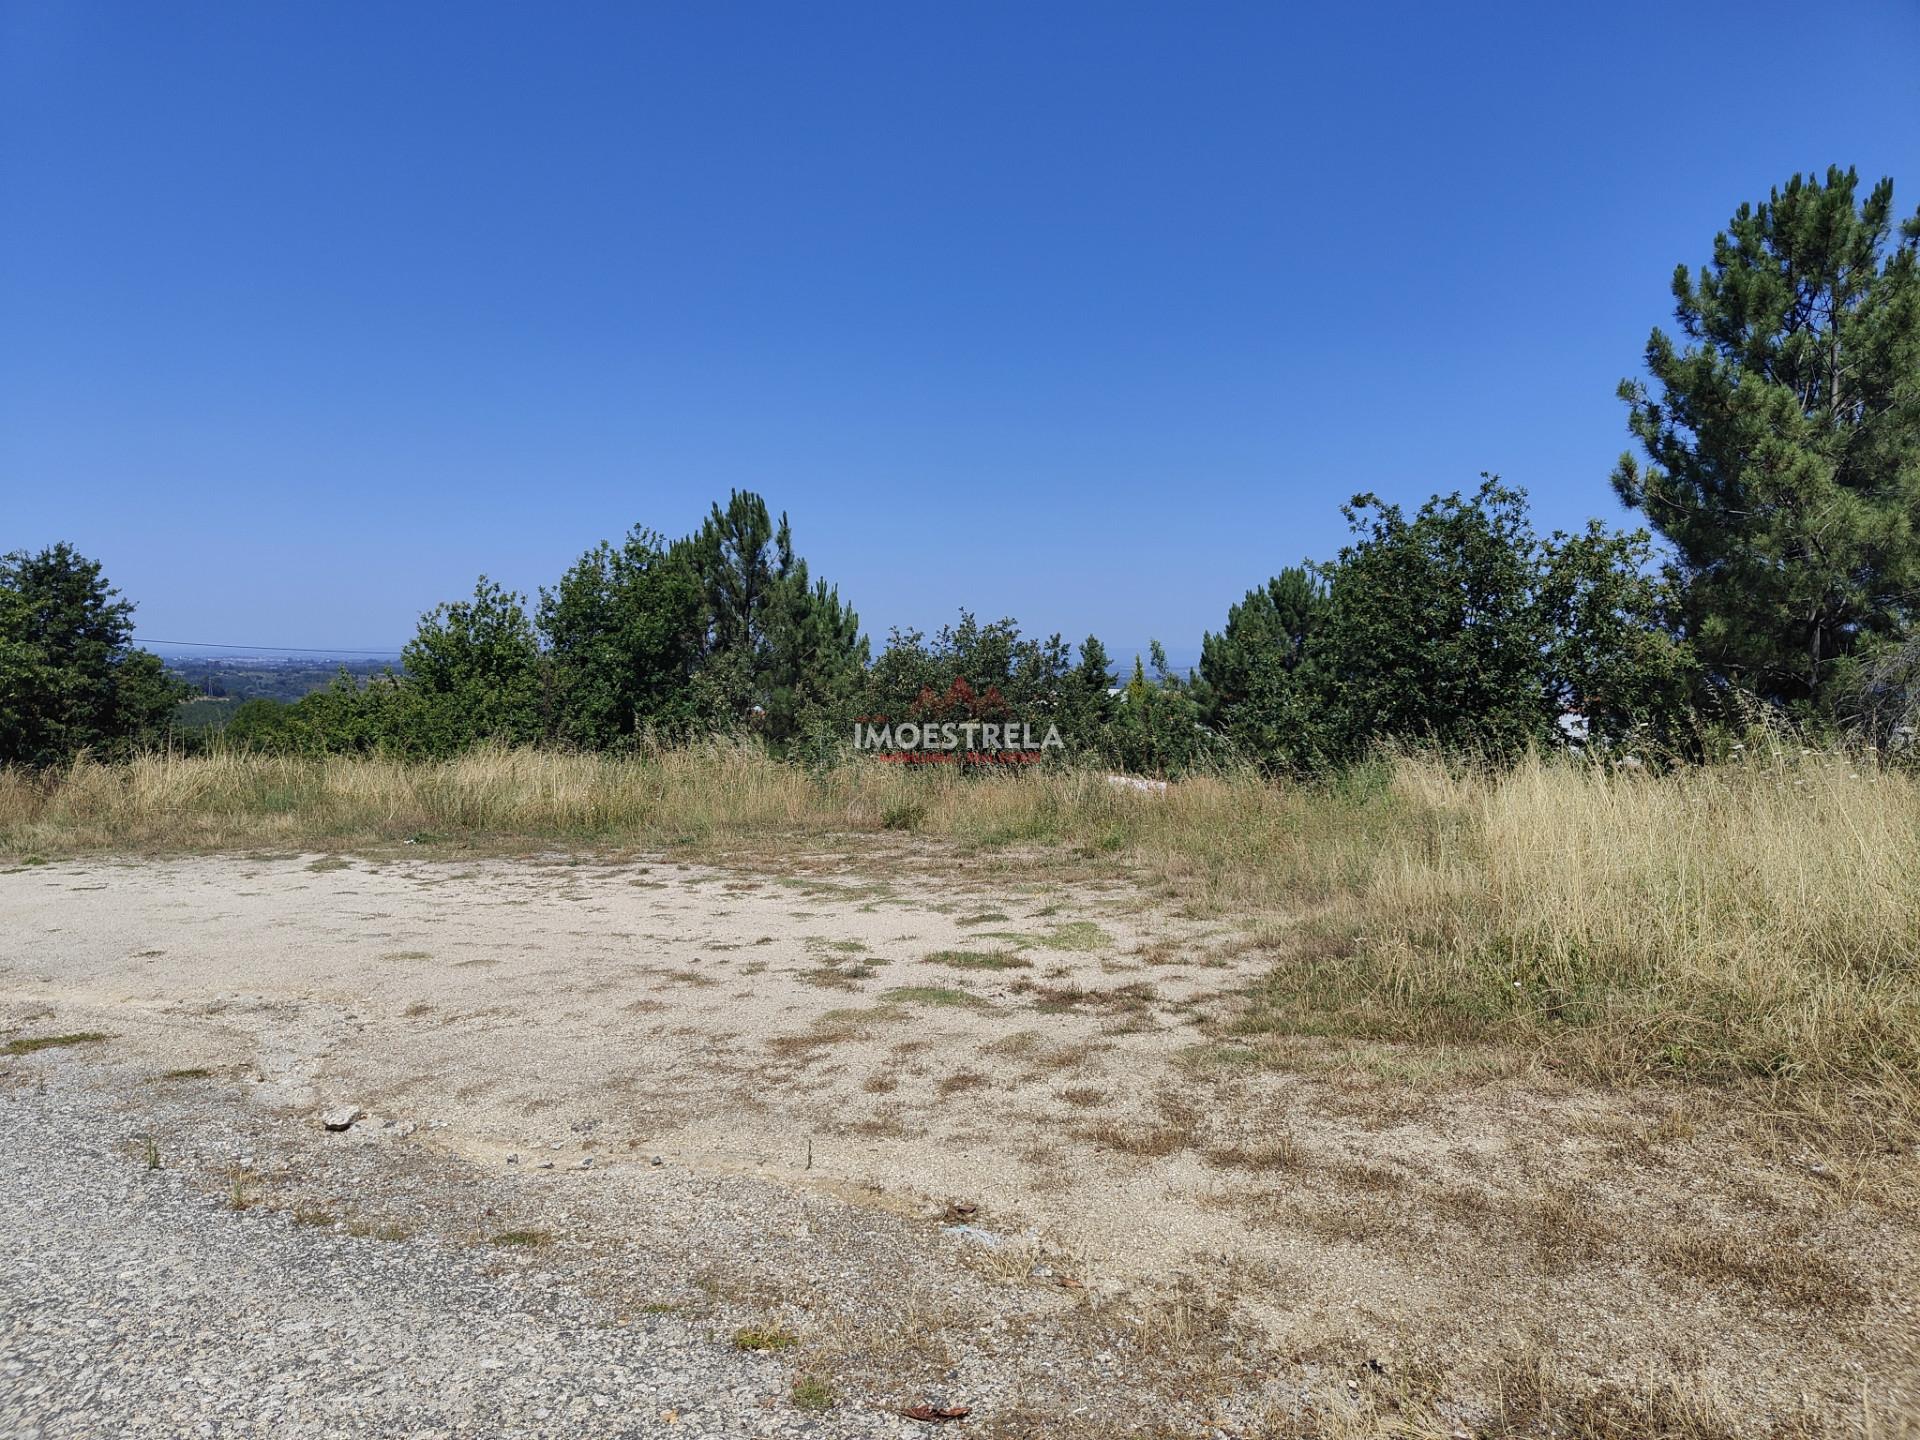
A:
(1758, 919)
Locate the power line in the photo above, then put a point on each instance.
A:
(259, 649)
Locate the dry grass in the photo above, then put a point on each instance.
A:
(1751, 921)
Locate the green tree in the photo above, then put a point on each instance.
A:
(1430, 631)
(624, 633)
(1248, 690)
(265, 724)
(475, 668)
(70, 677)
(1087, 711)
(1157, 729)
(1783, 435)
(782, 651)
(1610, 657)
(738, 563)
(816, 660)
(1459, 627)
(988, 672)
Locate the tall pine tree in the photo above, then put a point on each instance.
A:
(1783, 435)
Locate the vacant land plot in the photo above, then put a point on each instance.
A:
(927, 1128)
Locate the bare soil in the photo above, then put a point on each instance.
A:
(1300, 1233)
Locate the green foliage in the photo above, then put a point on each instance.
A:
(816, 658)
(971, 671)
(1609, 657)
(1877, 695)
(780, 653)
(262, 724)
(1156, 728)
(474, 669)
(1246, 685)
(722, 631)
(1430, 632)
(1458, 628)
(1783, 436)
(70, 679)
(624, 630)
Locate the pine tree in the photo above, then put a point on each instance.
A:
(1783, 435)
(1247, 671)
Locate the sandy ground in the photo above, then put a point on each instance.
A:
(1051, 1061)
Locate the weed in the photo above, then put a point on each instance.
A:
(36, 1043)
(931, 995)
(978, 959)
(1076, 935)
(521, 1239)
(812, 1393)
(764, 1338)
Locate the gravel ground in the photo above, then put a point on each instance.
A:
(135, 1304)
(626, 1113)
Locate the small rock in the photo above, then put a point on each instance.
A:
(342, 1118)
(659, 1159)
(586, 1162)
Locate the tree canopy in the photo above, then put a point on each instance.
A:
(1782, 436)
(1781, 473)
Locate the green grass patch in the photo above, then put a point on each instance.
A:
(1075, 935)
(31, 1044)
(931, 995)
(978, 959)
(521, 1239)
(823, 945)
(755, 1337)
(813, 1394)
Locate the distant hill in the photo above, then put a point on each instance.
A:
(225, 682)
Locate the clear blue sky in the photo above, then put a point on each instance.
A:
(1088, 314)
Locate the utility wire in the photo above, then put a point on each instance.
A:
(259, 649)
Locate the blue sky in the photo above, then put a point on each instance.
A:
(1087, 314)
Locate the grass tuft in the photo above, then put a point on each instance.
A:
(812, 1394)
(521, 1239)
(930, 995)
(32, 1044)
(978, 959)
(764, 1338)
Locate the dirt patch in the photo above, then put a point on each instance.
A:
(1485, 1232)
